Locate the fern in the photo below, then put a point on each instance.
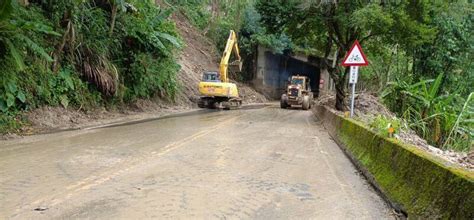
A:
(35, 48)
(14, 31)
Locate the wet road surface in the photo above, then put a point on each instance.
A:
(264, 163)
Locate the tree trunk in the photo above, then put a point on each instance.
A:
(341, 90)
(113, 17)
(340, 96)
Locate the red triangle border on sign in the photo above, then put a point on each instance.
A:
(356, 44)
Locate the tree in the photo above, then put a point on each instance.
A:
(331, 26)
(451, 50)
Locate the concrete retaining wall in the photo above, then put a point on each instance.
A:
(412, 180)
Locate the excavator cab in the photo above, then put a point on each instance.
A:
(210, 76)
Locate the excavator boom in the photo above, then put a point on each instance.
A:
(236, 66)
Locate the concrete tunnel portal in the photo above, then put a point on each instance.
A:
(273, 71)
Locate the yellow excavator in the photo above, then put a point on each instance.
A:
(215, 89)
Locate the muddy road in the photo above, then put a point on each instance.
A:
(255, 163)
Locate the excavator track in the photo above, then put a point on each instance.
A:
(220, 103)
(233, 103)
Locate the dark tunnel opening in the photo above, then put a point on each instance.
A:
(279, 69)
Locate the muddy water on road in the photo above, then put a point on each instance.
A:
(261, 163)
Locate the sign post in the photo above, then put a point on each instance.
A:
(354, 58)
(353, 80)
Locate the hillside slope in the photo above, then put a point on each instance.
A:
(198, 55)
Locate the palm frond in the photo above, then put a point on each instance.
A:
(100, 72)
(434, 89)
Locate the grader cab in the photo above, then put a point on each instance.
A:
(298, 93)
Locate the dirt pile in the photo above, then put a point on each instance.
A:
(366, 103)
(249, 95)
(367, 106)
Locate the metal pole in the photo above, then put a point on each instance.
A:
(353, 80)
(352, 99)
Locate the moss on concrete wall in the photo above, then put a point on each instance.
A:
(422, 185)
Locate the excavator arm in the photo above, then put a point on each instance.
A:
(231, 46)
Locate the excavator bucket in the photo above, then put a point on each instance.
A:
(235, 66)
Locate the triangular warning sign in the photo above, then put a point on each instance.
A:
(355, 57)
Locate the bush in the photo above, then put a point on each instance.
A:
(435, 116)
(381, 124)
(148, 77)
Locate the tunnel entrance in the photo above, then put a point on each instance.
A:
(274, 71)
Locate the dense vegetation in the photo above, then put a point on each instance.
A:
(420, 52)
(83, 54)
